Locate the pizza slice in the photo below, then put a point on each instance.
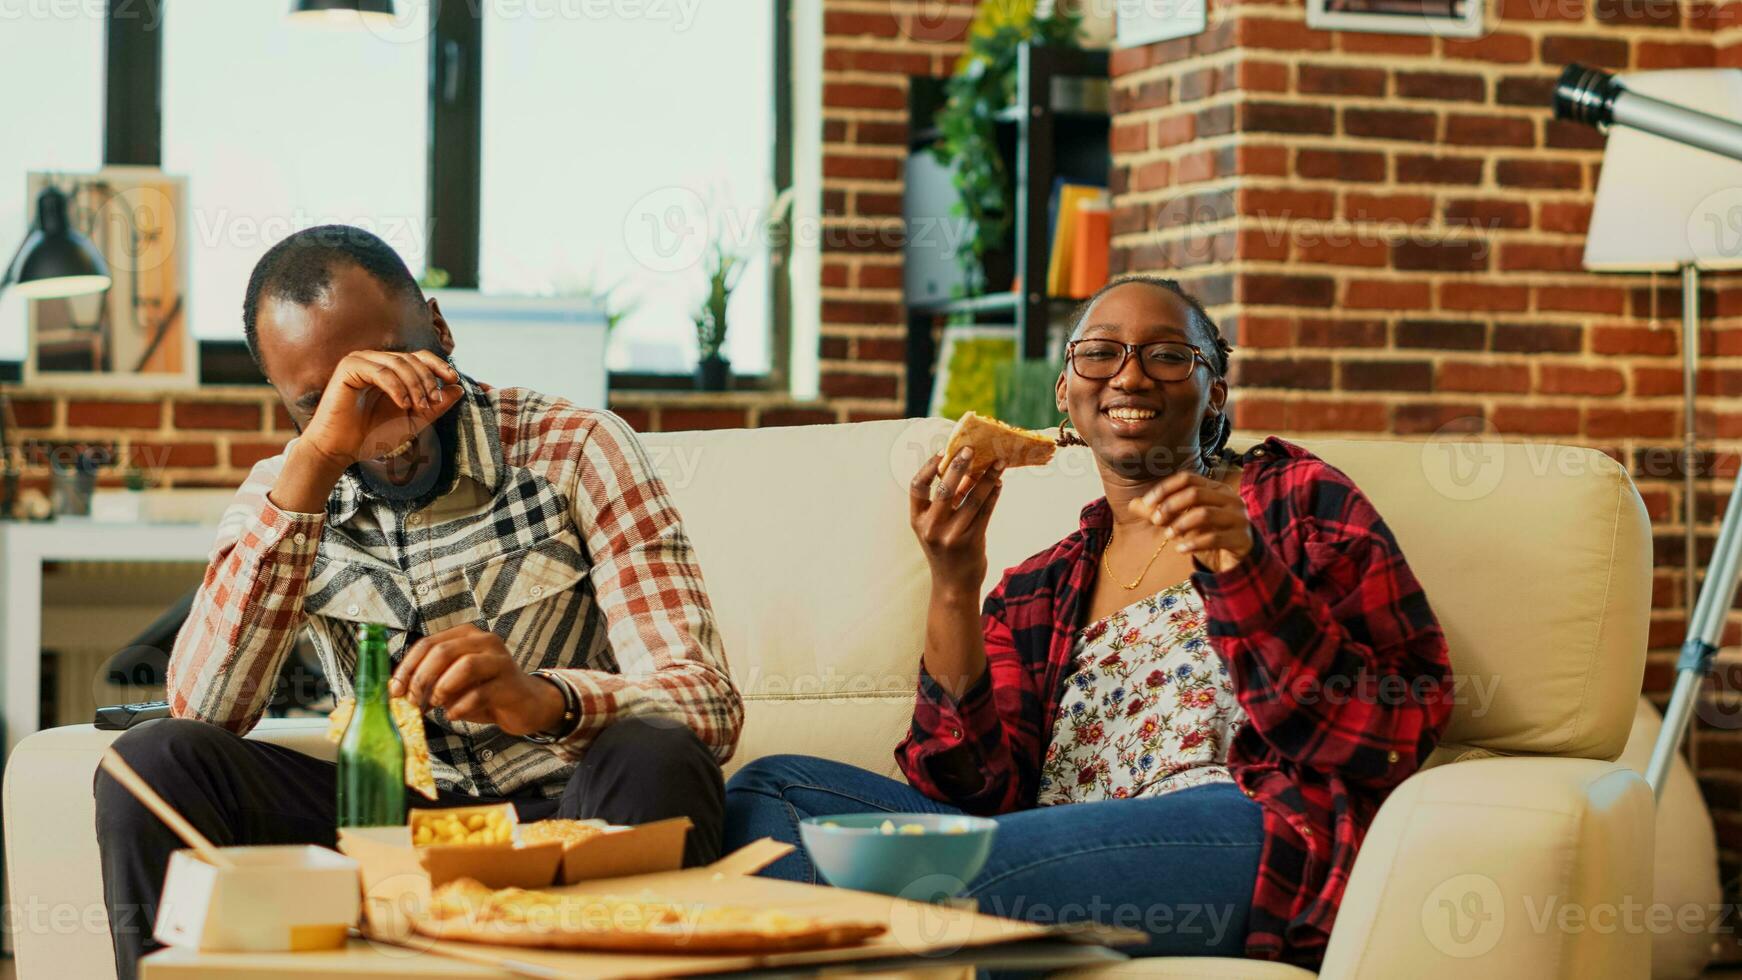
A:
(992, 440)
(409, 721)
(569, 832)
(468, 911)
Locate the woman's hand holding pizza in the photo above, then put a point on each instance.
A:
(951, 527)
(1205, 519)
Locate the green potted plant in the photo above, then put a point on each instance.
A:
(984, 85)
(724, 268)
(723, 263)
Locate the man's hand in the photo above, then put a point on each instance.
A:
(377, 401)
(468, 671)
(1206, 518)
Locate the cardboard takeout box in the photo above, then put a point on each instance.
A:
(275, 899)
(618, 851)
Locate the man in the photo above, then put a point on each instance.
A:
(542, 601)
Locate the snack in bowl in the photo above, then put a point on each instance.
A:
(994, 441)
(889, 827)
(493, 824)
(409, 721)
(920, 856)
(468, 911)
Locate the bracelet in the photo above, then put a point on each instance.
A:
(571, 710)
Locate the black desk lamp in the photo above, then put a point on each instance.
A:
(309, 9)
(54, 261)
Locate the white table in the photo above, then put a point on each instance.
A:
(24, 547)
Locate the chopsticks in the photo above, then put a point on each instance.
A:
(116, 766)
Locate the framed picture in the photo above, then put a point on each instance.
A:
(1451, 18)
(135, 334)
(1149, 21)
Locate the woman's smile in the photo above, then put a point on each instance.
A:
(1130, 419)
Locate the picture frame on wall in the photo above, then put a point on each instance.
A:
(134, 335)
(1446, 18)
(1149, 21)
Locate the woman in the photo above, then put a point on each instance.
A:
(1185, 714)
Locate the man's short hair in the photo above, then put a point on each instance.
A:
(300, 268)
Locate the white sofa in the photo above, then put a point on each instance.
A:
(1537, 560)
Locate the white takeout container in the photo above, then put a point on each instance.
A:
(276, 899)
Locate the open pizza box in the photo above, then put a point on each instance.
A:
(396, 887)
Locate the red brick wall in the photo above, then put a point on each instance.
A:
(1390, 228)
(209, 438)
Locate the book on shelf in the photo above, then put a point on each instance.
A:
(1069, 202)
(1090, 251)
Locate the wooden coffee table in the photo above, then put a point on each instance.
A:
(359, 960)
(362, 960)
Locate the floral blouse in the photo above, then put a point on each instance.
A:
(1148, 709)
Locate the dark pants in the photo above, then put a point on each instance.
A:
(243, 791)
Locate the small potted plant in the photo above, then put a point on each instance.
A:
(724, 268)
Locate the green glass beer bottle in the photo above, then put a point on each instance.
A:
(371, 754)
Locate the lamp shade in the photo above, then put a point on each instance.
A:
(1660, 204)
(55, 260)
(310, 9)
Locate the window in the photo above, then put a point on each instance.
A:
(612, 135)
(55, 128)
(279, 125)
(608, 140)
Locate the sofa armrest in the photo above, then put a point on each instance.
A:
(1506, 867)
(54, 885)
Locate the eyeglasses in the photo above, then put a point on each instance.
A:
(1167, 360)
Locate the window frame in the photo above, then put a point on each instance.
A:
(133, 134)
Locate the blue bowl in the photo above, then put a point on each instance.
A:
(851, 851)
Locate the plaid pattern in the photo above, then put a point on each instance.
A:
(557, 536)
(1335, 655)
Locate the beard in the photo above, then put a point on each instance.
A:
(435, 479)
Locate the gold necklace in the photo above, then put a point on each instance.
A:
(1140, 575)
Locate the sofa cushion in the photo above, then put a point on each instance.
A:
(1537, 561)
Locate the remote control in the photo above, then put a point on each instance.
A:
(120, 717)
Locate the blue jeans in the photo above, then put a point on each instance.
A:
(1180, 866)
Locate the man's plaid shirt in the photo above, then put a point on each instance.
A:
(557, 536)
(1335, 655)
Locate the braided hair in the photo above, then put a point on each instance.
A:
(1214, 432)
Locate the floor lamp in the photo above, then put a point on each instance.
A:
(1672, 203)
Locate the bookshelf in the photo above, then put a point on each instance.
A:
(1056, 127)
